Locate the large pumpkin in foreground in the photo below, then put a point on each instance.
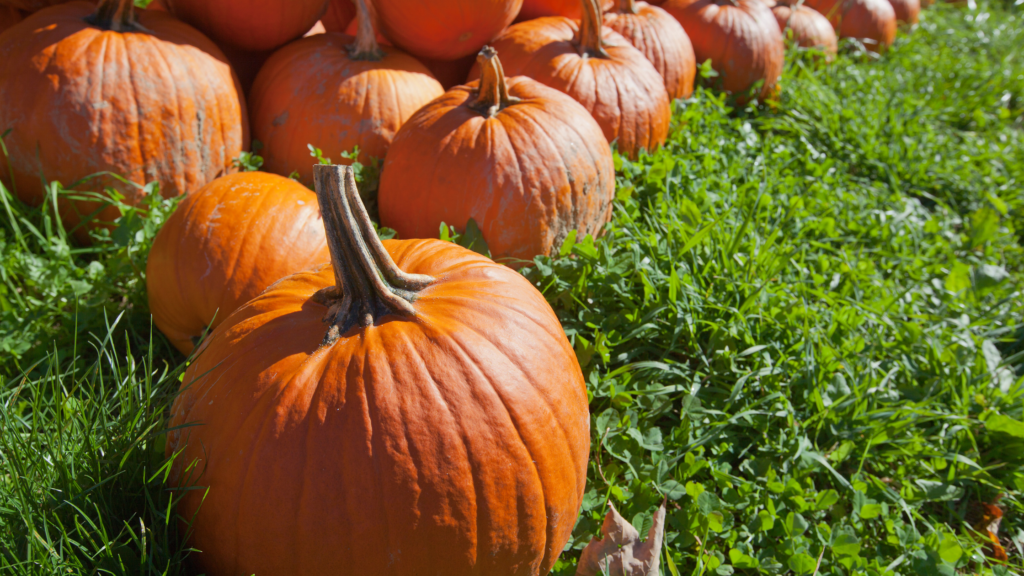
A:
(526, 162)
(224, 245)
(439, 427)
(740, 37)
(597, 67)
(444, 29)
(335, 92)
(121, 95)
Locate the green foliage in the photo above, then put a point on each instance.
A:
(802, 328)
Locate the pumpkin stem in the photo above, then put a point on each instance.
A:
(627, 6)
(492, 94)
(368, 284)
(115, 15)
(590, 41)
(365, 47)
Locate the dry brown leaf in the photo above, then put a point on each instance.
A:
(620, 552)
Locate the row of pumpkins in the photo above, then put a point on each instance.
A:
(369, 407)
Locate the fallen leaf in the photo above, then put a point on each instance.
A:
(620, 552)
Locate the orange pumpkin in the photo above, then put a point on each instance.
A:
(740, 37)
(9, 17)
(119, 93)
(806, 26)
(252, 25)
(224, 245)
(907, 11)
(340, 13)
(525, 161)
(568, 8)
(439, 427)
(335, 92)
(599, 68)
(662, 40)
(873, 22)
(450, 72)
(445, 29)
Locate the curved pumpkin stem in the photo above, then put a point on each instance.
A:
(366, 47)
(115, 15)
(627, 6)
(590, 41)
(492, 95)
(368, 284)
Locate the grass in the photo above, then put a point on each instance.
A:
(803, 327)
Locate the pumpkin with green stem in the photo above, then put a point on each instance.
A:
(526, 162)
(337, 93)
(597, 67)
(118, 90)
(662, 40)
(438, 423)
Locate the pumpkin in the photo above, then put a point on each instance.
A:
(599, 68)
(807, 27)
(246, 64)
(568, 8)
(450, 72)
(872, 22)
(444, 29)
(526, 162)
(740, 37)
(907, 11)
(335, 92)
(662, 40)
(252, 25)
(340, 13)
(437, 425)
(118, 91)
(224, 245)
(30, 5)
(9, 17)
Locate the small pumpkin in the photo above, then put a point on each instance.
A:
(251, 25)
(118, 90)
(872, 22)
(440, 426)
(9, 17)
(526, 162)
(444, 29)
(907, 11)
(806, 26)
(597, 67)
(740, 37)
(224, 245)
(335, 92)
(568, 8)
(662, 40)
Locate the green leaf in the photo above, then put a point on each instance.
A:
(802, 564)
(741, 560)
(1001, 424)
(845, 542)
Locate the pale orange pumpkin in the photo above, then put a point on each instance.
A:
(335, 92)
(440, 426)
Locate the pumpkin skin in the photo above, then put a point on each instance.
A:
(314, 91)
(527, 174)
(444, 29)
(123, 102)
(9, 17)
(808, 27)
(742, 40)
(450, 72)
(451, 442)
(224, 245)
(30, 5)
(252, 25)
(568, 8)
(340, 13)
(622, 91)
(873, 22)
(907, 11)
(662, 40)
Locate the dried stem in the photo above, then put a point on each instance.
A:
(590, 41)
(365, 47)
(368, 284)
(492, 95)
(115, 15)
